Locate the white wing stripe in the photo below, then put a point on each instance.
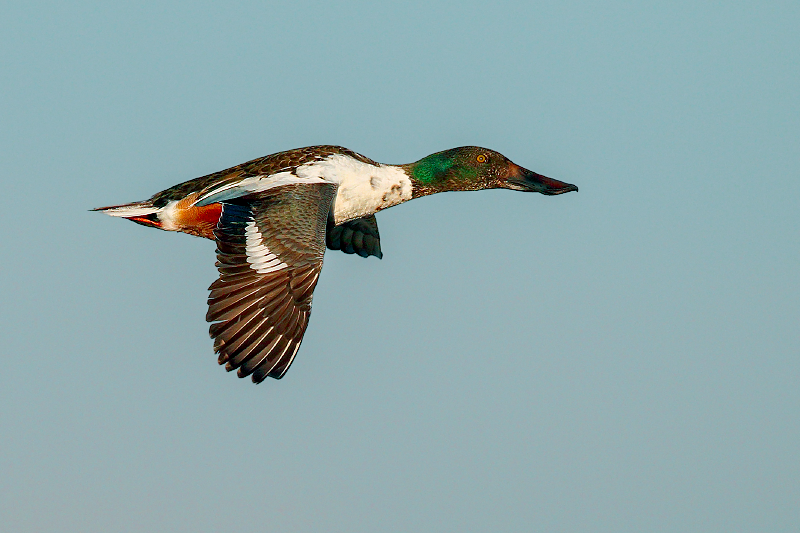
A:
(254, 184)
(260, 258)
(264, 261)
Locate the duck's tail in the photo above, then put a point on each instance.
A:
(144, 213)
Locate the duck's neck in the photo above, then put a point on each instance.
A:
(432, 174)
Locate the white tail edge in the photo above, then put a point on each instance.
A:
(138, 209)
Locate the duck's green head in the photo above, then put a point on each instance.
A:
(472, 168)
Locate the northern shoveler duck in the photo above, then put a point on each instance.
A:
(272, 218)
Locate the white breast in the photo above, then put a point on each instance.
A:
(364, 189)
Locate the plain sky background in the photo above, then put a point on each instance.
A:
(622, 359)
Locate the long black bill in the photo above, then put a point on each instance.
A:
(529, 181)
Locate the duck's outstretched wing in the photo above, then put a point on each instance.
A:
(269, 254)
(359, 236)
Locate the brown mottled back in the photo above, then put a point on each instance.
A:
(263, 166)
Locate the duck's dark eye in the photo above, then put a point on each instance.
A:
(481, 158)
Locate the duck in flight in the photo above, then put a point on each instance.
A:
(273, 217)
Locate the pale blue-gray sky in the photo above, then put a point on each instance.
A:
(623, 359)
